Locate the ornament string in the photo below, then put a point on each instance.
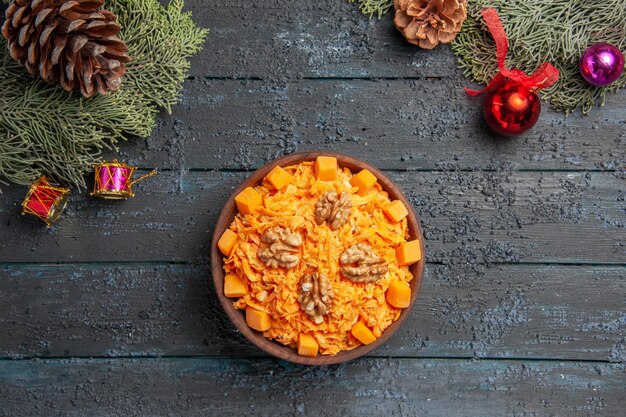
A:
(543, 77)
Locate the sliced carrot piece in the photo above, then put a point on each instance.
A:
(408, 253)
(364, 181)
(248, 200)
(227, 242)
(307, 345)
(279, 178)
(234, 287)
(399, 294)
(362, 333)
(396, 211)
(257, 319)
(326, 168)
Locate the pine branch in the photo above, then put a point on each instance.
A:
(374, 7)
(556, 31)
(48, 131)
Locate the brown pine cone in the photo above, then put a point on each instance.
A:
(72, 43)
(427, 23)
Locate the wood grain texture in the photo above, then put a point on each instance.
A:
(272, 39)
(397, 124)
(505, 311)
(473, 217)
(278, 77)
(384, 387)
(237, 317)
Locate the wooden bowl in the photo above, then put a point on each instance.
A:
(238, 317)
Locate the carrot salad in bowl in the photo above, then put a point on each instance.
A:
(318, 257)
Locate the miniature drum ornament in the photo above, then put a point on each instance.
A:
(113, 180)
(45, 200)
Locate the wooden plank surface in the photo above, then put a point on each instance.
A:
(507, 311)
(474, 217)
(289, 40)
(397, 124)
(525, 241)
(390, 387)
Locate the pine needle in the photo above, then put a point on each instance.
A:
(45, 130)
(374, 7)
(556, 31)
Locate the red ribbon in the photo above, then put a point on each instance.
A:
(543, 77)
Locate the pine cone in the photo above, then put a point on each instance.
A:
(426, 23)
(72, 43)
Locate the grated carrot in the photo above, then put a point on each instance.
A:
(293, 207)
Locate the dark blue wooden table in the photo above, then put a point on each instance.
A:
(523, 307)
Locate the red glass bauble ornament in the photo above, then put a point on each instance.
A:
(510, 108)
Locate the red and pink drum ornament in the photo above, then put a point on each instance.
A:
(113, 180)
(45, 200)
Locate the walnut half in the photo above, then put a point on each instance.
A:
(333, 209)
(282, 250)
(359, 263)
(316, 294)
